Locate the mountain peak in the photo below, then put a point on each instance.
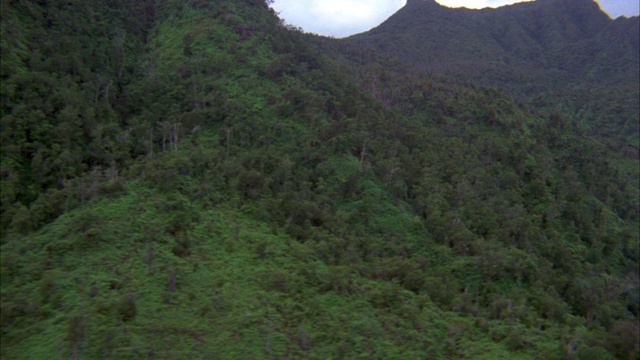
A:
(541, 36)
(422, 2)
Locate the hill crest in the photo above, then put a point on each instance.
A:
(531, 50)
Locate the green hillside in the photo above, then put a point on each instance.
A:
(553, 54)
(196, 180)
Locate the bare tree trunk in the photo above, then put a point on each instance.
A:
(363, 153)
(114, 169)
(392, 173)
(571, 347)
(175, 133)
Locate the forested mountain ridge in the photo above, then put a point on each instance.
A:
(193, 179)
(558, 54)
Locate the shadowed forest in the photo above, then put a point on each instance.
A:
(195, 179)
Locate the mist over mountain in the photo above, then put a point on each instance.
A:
(542, 50)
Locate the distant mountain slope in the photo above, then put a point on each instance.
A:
(555, 52)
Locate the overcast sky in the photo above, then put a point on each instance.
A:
(341, 18)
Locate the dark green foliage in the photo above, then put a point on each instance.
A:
(625, 339)
(127, 307)
(191, 179)
(552, 54)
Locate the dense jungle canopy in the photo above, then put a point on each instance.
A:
(185, 179)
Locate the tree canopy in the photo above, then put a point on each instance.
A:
(194, 179)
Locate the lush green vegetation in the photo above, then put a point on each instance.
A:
(193, 179)
(556, 55)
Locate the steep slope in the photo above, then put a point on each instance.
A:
(552, 52)
(241, 195)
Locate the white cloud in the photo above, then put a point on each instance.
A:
(477, 4)
(336, 17)
(341, 18)
(617, 8)
(614, 8)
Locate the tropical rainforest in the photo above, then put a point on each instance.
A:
(197, 179)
